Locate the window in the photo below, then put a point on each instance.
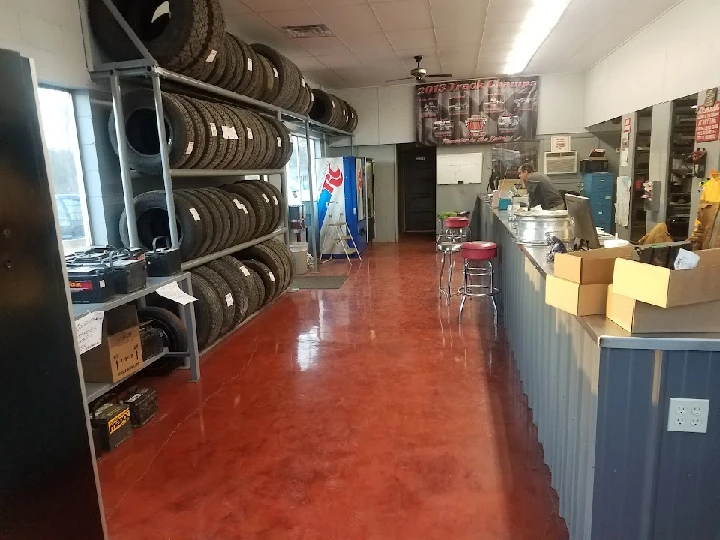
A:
(297, 170)
(60, 131)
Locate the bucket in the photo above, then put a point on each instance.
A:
(300, 256)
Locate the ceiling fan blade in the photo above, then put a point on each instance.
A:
(403, 79)
(439, 75)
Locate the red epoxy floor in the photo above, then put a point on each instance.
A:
(364, 413)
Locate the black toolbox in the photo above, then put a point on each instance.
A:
(90, 285)
(112, 422)
(143, 405)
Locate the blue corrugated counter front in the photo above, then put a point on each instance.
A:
(600, 397)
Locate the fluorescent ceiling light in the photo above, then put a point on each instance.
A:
(539, 22)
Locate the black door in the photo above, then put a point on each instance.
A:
(419, 181)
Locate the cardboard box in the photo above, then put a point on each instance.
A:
(665, 288)
(575, 298)
(641, 318)
(119, 354)
(595, 266)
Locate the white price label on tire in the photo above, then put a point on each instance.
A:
(275, 200)
(211, 56)
(279, 142)
(213, 129)
(250, 135)
(312, 98)
(229, 299)
(333, 104)
(245, 271)
(238, 204)
(275, 72)
(271, 276)
(233, 134)
(190, 147)
(225, 131)
(302, 81)
(266, 198)
(249, 64)
(195, 214)
(244, 208)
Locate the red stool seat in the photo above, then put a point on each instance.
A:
(479, 251)
(456, 222)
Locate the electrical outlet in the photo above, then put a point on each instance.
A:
(690, 415)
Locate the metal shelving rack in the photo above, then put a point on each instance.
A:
(146, 67)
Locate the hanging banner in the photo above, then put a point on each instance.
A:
(707, 128)
(476, 111)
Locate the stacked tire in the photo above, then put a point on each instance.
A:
(209, 219)
(201, 135)
(231, 289)
(331, 110)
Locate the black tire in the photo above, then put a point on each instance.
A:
(206, 223)
(212, 136)
(152, 221)
(200, 129)
(175, 337)
(109, 35)
(218, 120)
(241, 80)
(234, 218)
(285, 142)
(143, 147)
(268, 257)
(267, 158)
(249, 217)
(249, 280)
(269, 79)
(322, 109)
(268, 278)
(224, 292)
(286, 257)
(240, 215)
(228, 122)
(278, 202)
(253, 69)
(243, 143)
(259, 206)
(261, 140)
(288, 74)
(220, 66)
(273, 205)
(223, 228)
(275, 88)
(202, 66)
(234, 279)
(259, 287)
(208, 311)
(247, 161)
(232, 60)
(353, 119)
(259, 88)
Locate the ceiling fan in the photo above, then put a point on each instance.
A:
(420, 74)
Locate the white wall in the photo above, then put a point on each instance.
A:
(387, 114)
(48, 31)
(673, 57)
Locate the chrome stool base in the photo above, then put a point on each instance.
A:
(477, 290)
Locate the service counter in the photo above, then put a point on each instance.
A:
(599, 398)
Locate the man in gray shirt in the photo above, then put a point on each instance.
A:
(541, 190)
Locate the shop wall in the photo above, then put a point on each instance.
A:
(659, 64)
(461, 197)
(49, 32)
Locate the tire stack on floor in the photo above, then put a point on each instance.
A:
(201, 135)
(331, 110)
(231, 289)
(189, 37)
(209, 219)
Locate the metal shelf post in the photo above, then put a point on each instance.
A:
(165, 158)
(314, 226)
(128, 195)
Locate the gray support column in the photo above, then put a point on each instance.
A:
(314, 226)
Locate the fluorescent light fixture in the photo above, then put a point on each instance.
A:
(534, 30)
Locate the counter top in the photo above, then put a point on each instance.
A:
(602, 330)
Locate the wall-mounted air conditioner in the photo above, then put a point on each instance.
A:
(561, 163)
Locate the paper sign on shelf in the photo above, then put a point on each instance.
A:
(172, 291)
(89, 330)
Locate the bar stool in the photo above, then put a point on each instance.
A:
(477, 257)
(455, 232)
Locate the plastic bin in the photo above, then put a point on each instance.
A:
(300, 256)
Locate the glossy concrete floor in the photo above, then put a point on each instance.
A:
(360, 413)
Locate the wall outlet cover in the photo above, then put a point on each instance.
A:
(688, 415)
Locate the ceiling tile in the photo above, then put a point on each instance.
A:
(308, 63)
(408, 39)
(295, 17)
(325, 77)
(340, 61)
(403, 14)
(322, 46)
(334, 3)
(453, 36)
(459, 13)
(350, 20)
(368, 43)
(253, 28)
(264, 6)
(232, 7)
(507, 11)
(380, 61)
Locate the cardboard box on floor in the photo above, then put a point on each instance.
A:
(595, 266)
(119, 354)
(641, 318)
(575, 298)
(666, 288)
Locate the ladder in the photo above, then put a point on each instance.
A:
(341, 235)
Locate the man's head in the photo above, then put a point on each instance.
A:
(524, 171)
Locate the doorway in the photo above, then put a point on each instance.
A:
(417, 182)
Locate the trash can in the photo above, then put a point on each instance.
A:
(300, 256)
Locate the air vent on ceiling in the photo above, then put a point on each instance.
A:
(310, 30)
(561, 162)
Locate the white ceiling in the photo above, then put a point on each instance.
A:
(375, 40)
